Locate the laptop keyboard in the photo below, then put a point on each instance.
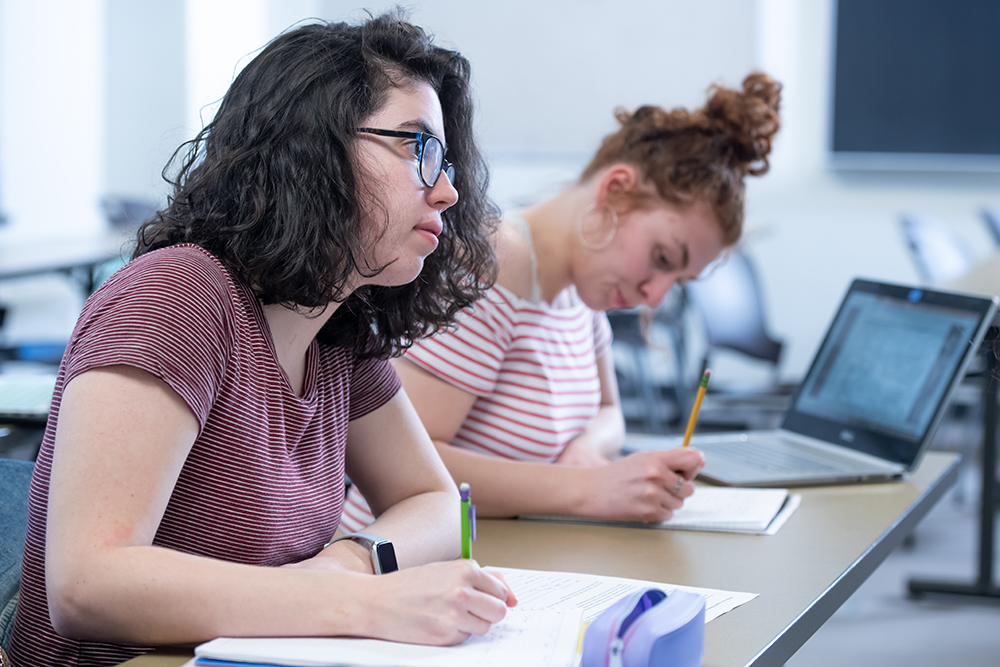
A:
(766, 458)
(26, 395)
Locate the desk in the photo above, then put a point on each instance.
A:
(77, 258)
(836, 538)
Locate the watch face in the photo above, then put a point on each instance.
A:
(386, 557)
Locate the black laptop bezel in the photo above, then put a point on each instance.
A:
(905, 452)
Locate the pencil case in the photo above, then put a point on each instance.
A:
(646, 628)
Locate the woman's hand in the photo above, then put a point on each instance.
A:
(645, 486)
(439, 603)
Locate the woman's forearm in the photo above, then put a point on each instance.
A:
(151, 595)
(423, 528)
(507, 488)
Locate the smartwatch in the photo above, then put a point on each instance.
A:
(382, 554)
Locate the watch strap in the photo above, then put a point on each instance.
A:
(376, 546)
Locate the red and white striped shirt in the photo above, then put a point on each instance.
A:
(264, 482)
(533, 368)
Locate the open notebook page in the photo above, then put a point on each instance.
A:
(542, 630)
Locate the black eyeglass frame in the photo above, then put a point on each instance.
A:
(423, 138)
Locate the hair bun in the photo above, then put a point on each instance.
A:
(749, 119)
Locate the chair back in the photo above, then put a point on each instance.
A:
(731, 306)
(631, 329)
(15, 480)
(938, 253)
(126, 212)
(992, 218)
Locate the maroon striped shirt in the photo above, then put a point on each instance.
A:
(264, 482)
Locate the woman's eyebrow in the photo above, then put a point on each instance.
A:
(417, 125)
(420, 125)
(685, 255)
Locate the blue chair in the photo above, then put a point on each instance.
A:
(631, 335)
(730, 302)
(940, 255)
(992, 218)
(15, 480)
(127, 213)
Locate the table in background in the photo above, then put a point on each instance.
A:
(836, 538)
(77, 258)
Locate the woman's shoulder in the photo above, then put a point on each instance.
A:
(515, 256)
(180, 259)
(181, 278)
(182, 267)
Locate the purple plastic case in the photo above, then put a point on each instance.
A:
(648, 627)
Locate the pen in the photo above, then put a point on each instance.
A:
(468, 520)
(702, 387)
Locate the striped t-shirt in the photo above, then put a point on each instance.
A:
(533, 369)
(264, 482)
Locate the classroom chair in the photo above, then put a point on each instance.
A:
(991, 216)
(655, 405)
(938, 252)
(15, 480)
(730, 303)
(126, 213)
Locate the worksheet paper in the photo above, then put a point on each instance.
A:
(716, 509)
(592, 594)
(524, 638)
(543, 630)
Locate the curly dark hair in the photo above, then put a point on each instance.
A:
(702, 154)
(272, 186)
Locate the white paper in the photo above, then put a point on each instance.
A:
(715, 508)
(525, 638)
(792, 504)
(543, 630)
(591, 593)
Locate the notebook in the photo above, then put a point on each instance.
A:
(25, 397)
(871, 400)
(714, 509)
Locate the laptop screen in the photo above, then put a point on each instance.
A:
(884, 373)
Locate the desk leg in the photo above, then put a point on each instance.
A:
(984, 586)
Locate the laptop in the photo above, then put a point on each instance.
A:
(25, 398)
(871, 400)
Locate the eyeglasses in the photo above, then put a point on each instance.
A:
(430, 154)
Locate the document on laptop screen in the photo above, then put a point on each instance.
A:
(886, 363)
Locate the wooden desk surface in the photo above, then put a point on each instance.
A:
(836, 538)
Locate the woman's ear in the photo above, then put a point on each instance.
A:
(617, 183)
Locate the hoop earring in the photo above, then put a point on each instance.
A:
(594, 247)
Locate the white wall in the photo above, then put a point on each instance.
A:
(81, 116)
(145, 95)
(51, 117)
(811, 229)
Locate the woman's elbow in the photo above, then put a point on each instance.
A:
(71, 608)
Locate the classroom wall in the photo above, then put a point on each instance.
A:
(51, 110)
(145, 81)
(90, 104)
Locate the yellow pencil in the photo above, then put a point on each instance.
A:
(693, 419)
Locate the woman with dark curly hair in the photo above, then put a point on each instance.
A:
(217, 388)
(527, 380)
